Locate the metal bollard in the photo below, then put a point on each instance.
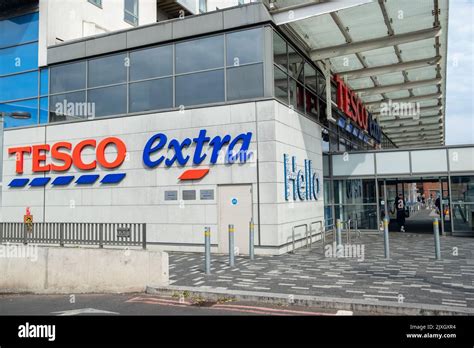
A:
(251, 240)
(385, 238)
(436, 239)
(231, 245)
(207, 245)
(338, 232)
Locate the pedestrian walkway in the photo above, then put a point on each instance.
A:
(412, 275)
(421, 221)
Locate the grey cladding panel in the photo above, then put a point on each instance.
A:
(245, 15)
(151, 34)
(198, 25)
(63, 53)
(106, 44)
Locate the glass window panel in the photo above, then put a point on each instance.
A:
(311, 101)
(462, 189)
(245, 82)
(280, 52)
(296, 95)
(131, 11)
(244, 47)
(21, 86)
(43, 110)
(14, 31)
(130, 18)
(333, 92)
(296, 64)
(321, 84)
(68, 107)
(107, 70)
(44, 79)
(201, 54)
(30, 106)
(96, 2)
(310, 77)
(19, 58)
(68, 77)
(151, 62)
(109, 100)
(151, 95)
(200, 88)
(281, 85)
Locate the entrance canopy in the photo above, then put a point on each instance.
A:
(392, 53)
(442, 161)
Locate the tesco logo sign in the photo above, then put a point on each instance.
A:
(157, 150)
(67, 154)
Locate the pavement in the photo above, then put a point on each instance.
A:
(411, 276)
(144, 304)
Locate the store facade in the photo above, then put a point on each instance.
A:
(184, 129)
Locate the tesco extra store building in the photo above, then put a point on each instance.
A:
(211, 120)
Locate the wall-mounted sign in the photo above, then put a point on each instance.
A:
(157, 150)
(123, 232)
(355, 110)
(206, 195)
(305, 184)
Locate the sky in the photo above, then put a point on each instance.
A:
(460, 73)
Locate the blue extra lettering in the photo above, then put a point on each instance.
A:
(150, 149)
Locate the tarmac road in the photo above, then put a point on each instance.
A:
(141, 304)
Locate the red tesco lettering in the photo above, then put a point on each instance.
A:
(68, 155)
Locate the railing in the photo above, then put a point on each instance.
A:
(293, 234)
(73, 233)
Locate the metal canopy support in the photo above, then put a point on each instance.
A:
(396, 87)
(388, 69)
(406, 100)
(373, 44)
(410, 118)
(436, 109)
(314, 8)
(327, 77)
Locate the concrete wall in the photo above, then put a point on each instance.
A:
(71, 19)
(83, 270)
(284, 131)
(140, 196)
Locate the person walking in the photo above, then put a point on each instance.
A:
(400, 209)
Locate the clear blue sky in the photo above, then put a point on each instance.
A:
(460, 77)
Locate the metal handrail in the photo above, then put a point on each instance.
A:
(311, 235)
(293, 234)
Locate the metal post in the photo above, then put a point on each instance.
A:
(441, 207)
(144, 236)
(385, 238)
(1, 232)
(25, 237)
(101, 235)
(61, 234)
(293, 239)
(207, 243)
(436, 238)
(251, 240)
(231, 245)
(348, 237)
(338, 232)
